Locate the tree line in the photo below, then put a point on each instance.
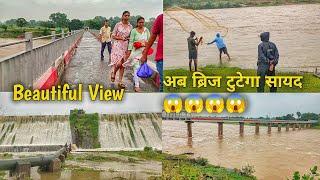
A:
(60, 20)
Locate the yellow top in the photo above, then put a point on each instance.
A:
(105, 34)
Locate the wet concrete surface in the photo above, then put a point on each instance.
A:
(87, 68)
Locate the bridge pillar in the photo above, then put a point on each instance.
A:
(220, 129)
(299, 125)
(189, 126)
(55, 165)
(241, 130)
(269, 128)
(21, 171)
(62, 33)
(53, 38)
(293, 127)
(287, 127)
(257, 128)
(309, 126)
(29, 43)
(279, 127)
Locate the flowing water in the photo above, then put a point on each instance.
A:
(274, 156)
(130, 131)
(294, 28)
(34, 130)
(13, 49)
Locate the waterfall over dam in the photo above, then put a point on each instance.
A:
(112, 132)
(34, 130)
(130, 131)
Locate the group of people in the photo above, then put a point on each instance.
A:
(268, 55)
(129, 46)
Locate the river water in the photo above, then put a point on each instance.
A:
(294, 28)
(274, 156)
(13, 49)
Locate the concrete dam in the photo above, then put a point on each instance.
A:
(87, 131)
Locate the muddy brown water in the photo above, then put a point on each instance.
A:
(274, 156)
(294, 28)
(11, 50)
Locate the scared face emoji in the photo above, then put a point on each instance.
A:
(193, 104)
(172, 103)
(214, 104)
(236, 104)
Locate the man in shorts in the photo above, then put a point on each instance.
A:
(193, 44)
(220, 45)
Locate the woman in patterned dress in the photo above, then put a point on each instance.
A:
(120, 34)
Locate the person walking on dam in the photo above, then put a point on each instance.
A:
(193, 44)
(221, 46)
(268, 57)
(105, 38)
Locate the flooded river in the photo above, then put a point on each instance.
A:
(294, 28)
(274, 156)
(11, 50)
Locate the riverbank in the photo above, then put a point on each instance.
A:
(207, 4)
(183, 167)
(144, 164)
(309, 81)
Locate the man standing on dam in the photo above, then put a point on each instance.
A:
(268, 57)
(105, 38)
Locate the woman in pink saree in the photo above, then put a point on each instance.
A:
(120, 34)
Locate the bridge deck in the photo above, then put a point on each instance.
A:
(87, 68)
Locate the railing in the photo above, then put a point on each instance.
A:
(27, 66)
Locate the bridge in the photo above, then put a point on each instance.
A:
(192, 118)
(21, 168)
(72, 57)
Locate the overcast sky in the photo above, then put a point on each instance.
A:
(258, 104)
(79, 9)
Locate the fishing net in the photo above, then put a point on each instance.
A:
(210, 23)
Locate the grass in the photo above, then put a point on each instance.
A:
(2, 175)
(218, 4)
(182, 167)
(6, 156)
(309, 81)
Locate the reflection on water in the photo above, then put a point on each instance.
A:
(274, 156)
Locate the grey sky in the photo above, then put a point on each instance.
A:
(80, 9)
(258, 104)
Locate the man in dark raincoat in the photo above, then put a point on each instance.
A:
(268, 57)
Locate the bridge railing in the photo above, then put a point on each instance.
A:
(27, 66)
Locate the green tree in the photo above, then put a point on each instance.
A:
(76, 24)
(299, 114)
(59, 19)
(4, 27)
(21, 22)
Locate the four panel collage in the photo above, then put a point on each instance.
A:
(160, 89)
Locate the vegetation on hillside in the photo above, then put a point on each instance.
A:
(85, 128)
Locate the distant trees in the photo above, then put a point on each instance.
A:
(76, 24)
(21, 22)
(59, 19)
(301, 116)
